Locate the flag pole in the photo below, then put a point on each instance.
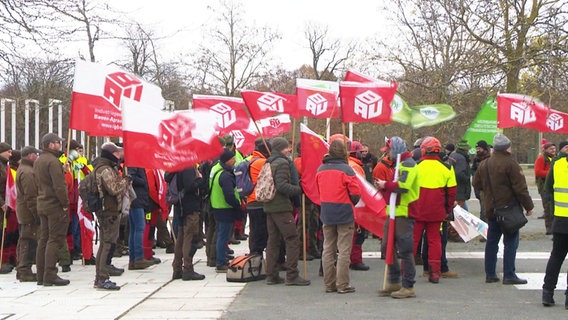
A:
(3, 234)
(293, 137)
(257, 129)
(391, 230)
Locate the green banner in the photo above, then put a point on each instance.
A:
(484, 126)
(401, 112)
(431, 114)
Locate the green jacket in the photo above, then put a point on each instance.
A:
(285, 190)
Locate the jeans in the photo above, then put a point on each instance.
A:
(511, 242)
(224, 230)
(258, 230)
(76, 231)
(403, 246)
(136, 221)
(557, 256)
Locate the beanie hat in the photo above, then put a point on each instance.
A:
(15, 158)
(227, 155)
(228, 140)
(50, 137)
(26, 151)
(397, 146)
(501, 142)
(5, 147)
(548, 145)
(463, 145)
(482, 144)
(337, 149)
(260, 147)
(74, 145)
(279, 144)
(450, 147)
(562, 144)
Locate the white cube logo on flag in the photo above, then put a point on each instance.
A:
(175, 132)
(271, 102)
(368, 105)
(121, 84)
(555, 122)
(430, 113)
(316, 104)
(239, 138)
(522, 113)
(226, 116)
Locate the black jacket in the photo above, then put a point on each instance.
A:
(140, 185)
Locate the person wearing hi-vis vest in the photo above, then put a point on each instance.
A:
(225, 205)
(556, 187)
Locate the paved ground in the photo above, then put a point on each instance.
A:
(150, 294)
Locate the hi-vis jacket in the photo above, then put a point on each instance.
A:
(556, 184)
(407, 188)
(438, 188)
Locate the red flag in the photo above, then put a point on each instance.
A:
(274, 126)
(352, 75)
(229, 111)
(86, 227)
(312, 149)
(366, 102)
(317, 99)
(98, 91)
(370, 212)
(155, 139)
(516, 110)
(266, 104)
(244, 139)
(11, 192)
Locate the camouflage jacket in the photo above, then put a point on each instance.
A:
(111, 186)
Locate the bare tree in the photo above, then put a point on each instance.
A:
(328, 54)
(235, 55)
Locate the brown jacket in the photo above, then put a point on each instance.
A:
(52, 188)
(508, 183)
(111, 186)
(26, 202)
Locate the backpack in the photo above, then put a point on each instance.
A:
(246, 268)
(265, 190)
(245, 186)
(173, 194)
(92, 201)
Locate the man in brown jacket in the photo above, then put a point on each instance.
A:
(111, 187)
(26, 210)
(52, 209)
(502, 183)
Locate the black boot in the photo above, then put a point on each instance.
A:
(566, 302)
(547, 297)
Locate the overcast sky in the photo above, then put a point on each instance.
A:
(184, 20)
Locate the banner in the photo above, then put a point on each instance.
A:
(369, 211)
(275, 126)
(429, 115)
(267, 104)
(97, 94)
(155, 139)
(366, 101)
(467, 225)
(317, 99)
(400, 111)
(229, 111)
(484, 125)
(516, 110)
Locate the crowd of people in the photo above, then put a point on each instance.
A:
(50, 227)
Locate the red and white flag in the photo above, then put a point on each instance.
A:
(317, 99)
(86, 226)
(274, 126)
(355, 76)
(366, 101)
(516, 110)
(11, 192)
(267, 104)
(369, 212)
(244, 139)
(155, 139)
(229, 111)
(97, 93)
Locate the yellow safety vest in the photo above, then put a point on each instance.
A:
(560, 171)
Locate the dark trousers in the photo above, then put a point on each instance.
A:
(52, 239)
(183, 254)
(258, 230)
(109, 225)
(557, 256)
(211, 239)
(281, 225)
(403, 250)
(27, 247)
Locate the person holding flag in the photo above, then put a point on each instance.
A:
(5, 154)
(407, 188)
(339, 192)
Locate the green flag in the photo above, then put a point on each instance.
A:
(431, 114)
(484, 126)
(401, 112)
